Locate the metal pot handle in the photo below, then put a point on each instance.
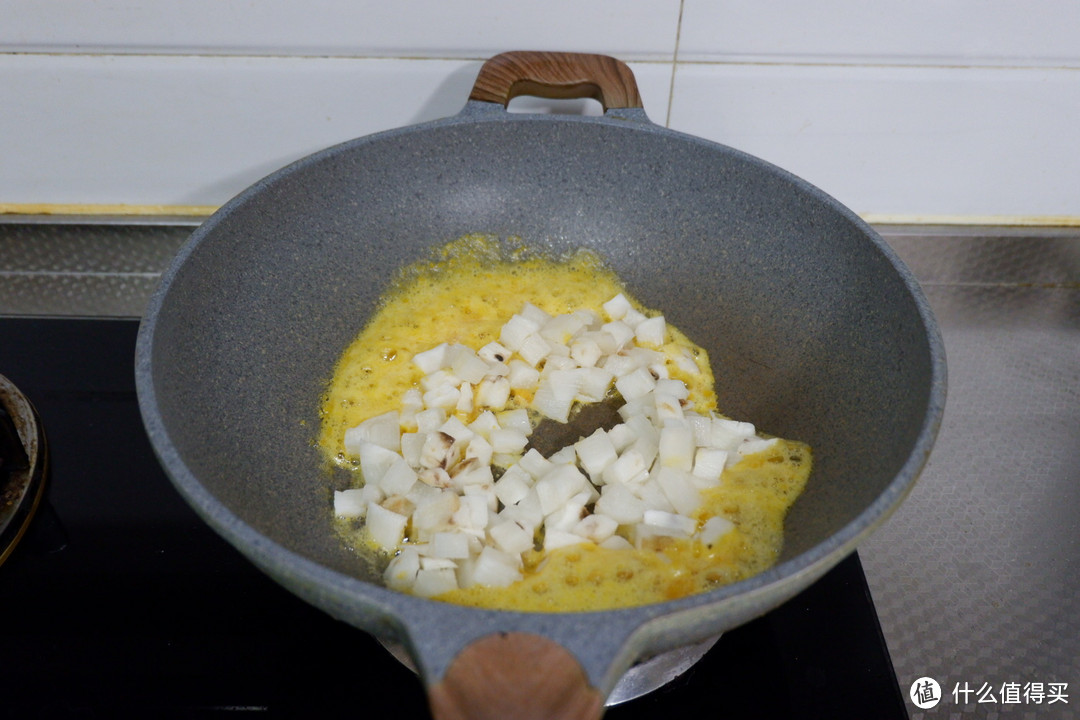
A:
(557, 75)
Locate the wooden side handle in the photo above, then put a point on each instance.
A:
(515, 675)
(557, 75)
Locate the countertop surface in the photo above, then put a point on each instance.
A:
(976, 577)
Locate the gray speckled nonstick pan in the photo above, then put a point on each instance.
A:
(816, 331)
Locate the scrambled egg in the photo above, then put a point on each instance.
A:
(464, 296)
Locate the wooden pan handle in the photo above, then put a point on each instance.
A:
(515, 675)
(557, 75)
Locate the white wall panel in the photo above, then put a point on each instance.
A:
(173, 130)
(919, 32)
(900, 140)
(629, 29)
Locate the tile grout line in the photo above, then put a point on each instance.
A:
(674, 65)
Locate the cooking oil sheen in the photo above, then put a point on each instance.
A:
(464, 294)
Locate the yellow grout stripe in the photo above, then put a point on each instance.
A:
(117, 210)
(121, 211)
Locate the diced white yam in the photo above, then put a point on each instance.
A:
(513, 486)
(411, 446)
(652, 495)
(498, 370)
(559, 362)
(560, 538)
(511, 537)
(351, 503)
(679, 489)
(515, 420)
(433, 360)
(505, 460)
(642, 426)
(383, 430)
(565, 518)
(523, 376)
(535, 464)
(526, 511)
(471, 473)
(715, 528)
(494, 352)
(440, 450)
(534, 313)
(651, 331)
(659, 371)
(596, 527)
(620, 332)
(668, 407)
(603, 340)
(399, 479)
(479, 449)
(617, 306)
(422, 493)
(457, 430)
(375, 460)
(452, 545)
(648, 446)
(565, 456)
(709, 464)
(729, 434)
(619, 364)
(586, 351)
(752, 446)
(701, 425)
(436, 477)
(630, 467)
(620, 504)
(673, 523)
(385, 527)
(621, 436)
(504, 440)
(412, 402)
(676, 388)
(617, 542)
(683, 359)
(561, 328)
(467, 365)
(676, 446)
(595, 453)
(400, 574)
(558, 486)
(533, 349)
(435, 513)
(473, 513)
(444, 397)
(555, 394)
(484, 423)
(430, 562)
(645, 357)
(516, 330)
(432, 582)
(635, 384)
(495, 568)
(492, 392)
(438, 379)
(486, 492)
(594, 384)
(429, 420)
(465, 401)
(633, 318)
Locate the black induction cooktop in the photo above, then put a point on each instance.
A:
(119, 602)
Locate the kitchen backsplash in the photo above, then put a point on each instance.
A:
(963, 111)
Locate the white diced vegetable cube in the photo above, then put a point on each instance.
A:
(558, 486)
(385, 527)
(537, 315)
(495, 568)
(594, 385)
(511, 537)
(375, 460)
(516, 420)
(636, 384)
(399, 479)
(494, 352)
(523, 376)
(619, 503)
(709, 464)
(383, 430)
(561, 328)
(679, 490)
(429, 420)
(620, 332)
(560, 538)
(444, 397)
(535, 464)
(630, 467)
(555, 394)
(617, 307)
(586, 351)
(596, 527)
(508, 441)
(714, 529)
(452, 545)
(515, 331)
(616, 542)
(400, 574)
(432, 582)
(492, 392)
(467, 365)
(651, 331)
(595, 452)
(533, 349)
(433, 360)
(676, 445)
(351, 503)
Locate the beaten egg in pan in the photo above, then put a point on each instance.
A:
(431, 408)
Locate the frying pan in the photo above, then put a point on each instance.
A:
(816, 331)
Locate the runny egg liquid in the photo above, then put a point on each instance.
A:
(464, 296)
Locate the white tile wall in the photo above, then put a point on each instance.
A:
(962, 110)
